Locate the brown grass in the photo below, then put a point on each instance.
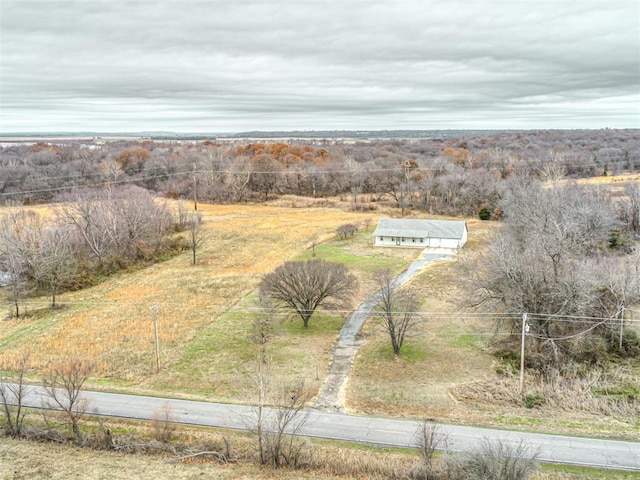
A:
(444, 350)
(23, 459)
(447, 373)
(204, 319)
(203, 310)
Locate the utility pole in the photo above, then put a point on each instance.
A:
(405, 167)
(525, 329)
(195, 188)
(154, 311)
(621, 327)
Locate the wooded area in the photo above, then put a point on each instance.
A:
(454, 175)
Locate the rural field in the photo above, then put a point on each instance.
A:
(205, 315)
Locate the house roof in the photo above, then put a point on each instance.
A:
(419, 228)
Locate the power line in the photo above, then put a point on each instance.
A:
(287, 310)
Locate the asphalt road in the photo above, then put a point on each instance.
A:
(370, 430)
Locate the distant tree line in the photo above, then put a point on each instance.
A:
(452, 175)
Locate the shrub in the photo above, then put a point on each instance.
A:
(493, 461)
(630, 343)
(532, 401)
(484, 214)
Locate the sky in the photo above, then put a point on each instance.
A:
(237, 66)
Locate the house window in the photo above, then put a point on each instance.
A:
(422, 240)
(413, 240)
(381, 239)
(393, 239)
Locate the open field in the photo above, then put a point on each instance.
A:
(205, 313)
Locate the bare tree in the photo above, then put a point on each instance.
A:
(197, 235)
(12, 396)
(63, 385)
(54, 261)
(36, 252)
(304, 286)
(85, 210)
(15, 280)
(346, 230)
(278, 418)
(263, 325)
(115, 222)
(266, 173)
(163, 424)
(548, 261)
(182, 213)
(629, 209)
(397, 309)
(428, 438)
(238, 176)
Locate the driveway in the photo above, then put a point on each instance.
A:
(331, 396)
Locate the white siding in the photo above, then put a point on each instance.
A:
(449, 243)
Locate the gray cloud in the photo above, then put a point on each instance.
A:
(228, 66)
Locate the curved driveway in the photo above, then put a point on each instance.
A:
(331, 395)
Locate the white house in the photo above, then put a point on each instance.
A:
(419, 233)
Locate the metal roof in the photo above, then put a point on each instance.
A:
(419, 228)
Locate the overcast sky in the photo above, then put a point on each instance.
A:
(229, 66)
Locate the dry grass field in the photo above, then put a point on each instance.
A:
(27, 460)
(205, 313)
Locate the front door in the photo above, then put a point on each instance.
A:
(397, 240)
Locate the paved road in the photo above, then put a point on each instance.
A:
(376, 431)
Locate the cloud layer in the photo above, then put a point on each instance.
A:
(214, 66)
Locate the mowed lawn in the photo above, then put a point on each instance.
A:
(444, 349)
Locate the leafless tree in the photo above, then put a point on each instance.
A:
(182, 213)
(396, 310)
(428, 438)
(63, 385)
(237, 178)
(346, 230)
(12, 395)
(629, 208)
(196, 233)
(262, 327)
(14, 270)
(552, 166)
(163, 424)
(278, 418)
(54, 261)
(548, 261)
(115, 222)
(304, 286)
(35, 251)
(266, 174)
(85, 210)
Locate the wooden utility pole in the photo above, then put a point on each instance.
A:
(621, 327)
(525, 329)
(154, 311)
(195, 189)
(405, 167)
